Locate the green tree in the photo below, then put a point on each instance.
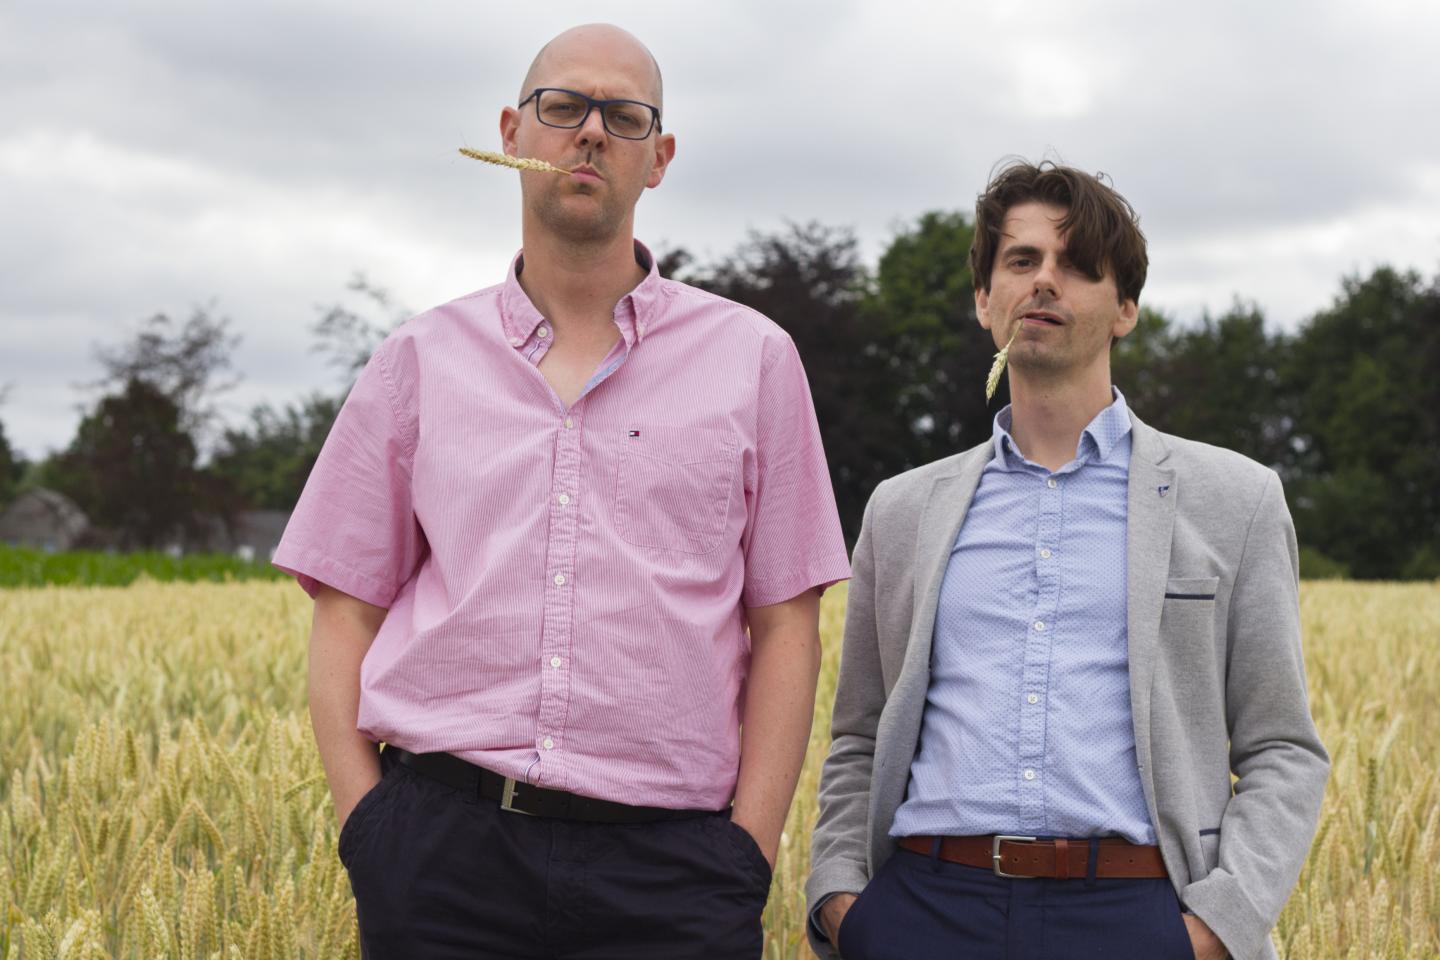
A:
(1361, 380)
(132, 468)
(935, 349)
(187, 362)
(1216, 381)
(12, 468)
(267, 462)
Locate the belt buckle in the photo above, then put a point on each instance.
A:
(507, 799)
(995, 856)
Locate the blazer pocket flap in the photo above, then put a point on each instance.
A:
(1191, 588)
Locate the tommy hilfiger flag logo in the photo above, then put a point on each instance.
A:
(1164, 489)
(634, 433)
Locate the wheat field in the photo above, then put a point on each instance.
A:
(161, 795)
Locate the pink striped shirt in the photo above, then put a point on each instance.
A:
(566, 588)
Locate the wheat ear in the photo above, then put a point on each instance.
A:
(998, 367)
(519, 163)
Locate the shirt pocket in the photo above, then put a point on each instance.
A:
(674, 487)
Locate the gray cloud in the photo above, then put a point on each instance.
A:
(164, 154)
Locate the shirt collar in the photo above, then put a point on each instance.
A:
(635, 314)
(1099, 437)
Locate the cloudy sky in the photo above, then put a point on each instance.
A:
(155, 156)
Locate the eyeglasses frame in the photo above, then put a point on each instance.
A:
(590, 104)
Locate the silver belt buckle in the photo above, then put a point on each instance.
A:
(507, 799)
(995, 856)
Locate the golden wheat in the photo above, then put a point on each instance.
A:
(992, 379)
(519, 163)
(161, 795)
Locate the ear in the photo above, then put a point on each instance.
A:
(664, 153)
(982, 307)
(1126, 319)
(509, 126)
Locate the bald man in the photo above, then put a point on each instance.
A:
(566, 541)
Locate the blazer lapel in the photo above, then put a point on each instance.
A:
(1153, 490)
(898, 732)
(940, 523)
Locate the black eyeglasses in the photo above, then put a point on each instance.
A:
(626, 119)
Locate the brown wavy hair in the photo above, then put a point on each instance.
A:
(1101, 230)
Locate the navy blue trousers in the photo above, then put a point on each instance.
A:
(922, 908)
(440, 875)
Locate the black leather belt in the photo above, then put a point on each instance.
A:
(517, 796)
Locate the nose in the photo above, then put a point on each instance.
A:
(592, 132)
(1047, 280)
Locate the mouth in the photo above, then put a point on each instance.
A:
(1041, 318)
(586, 174)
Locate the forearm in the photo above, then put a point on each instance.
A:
(779, 709)
(341, 633)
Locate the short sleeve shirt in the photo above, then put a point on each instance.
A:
(566, 588)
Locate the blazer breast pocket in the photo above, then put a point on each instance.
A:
(1189, 612)
(674, 487)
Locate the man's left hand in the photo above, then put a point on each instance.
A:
(1203, 941)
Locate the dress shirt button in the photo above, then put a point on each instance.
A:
(549, 744)
(569, 424)
(555, 662)
(1039, 624)
(1044, 553)
(1032, 699)
(559, 579)
(1029, 774)
(516, 341)
(564, 499)
(543, 332)
(1051, 483)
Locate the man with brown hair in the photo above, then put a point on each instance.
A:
(1059, 647)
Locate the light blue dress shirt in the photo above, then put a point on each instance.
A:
(1027, 727)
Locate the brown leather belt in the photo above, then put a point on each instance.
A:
(1026, 857)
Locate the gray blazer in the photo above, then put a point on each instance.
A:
(1217, 686)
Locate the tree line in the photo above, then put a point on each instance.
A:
(1344, 406)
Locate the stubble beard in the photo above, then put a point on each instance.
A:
(1038, 358)
(594, 226)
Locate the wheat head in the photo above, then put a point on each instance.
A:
(998, 367)
(519, 163)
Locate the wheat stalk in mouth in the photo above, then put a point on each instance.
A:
(519, 163)
(998, 367)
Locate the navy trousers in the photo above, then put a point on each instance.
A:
(922, 908)
(440, 875)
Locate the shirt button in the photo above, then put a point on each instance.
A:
(549, 744)
(1039, 624)
(1032, 699)
(1051, 483)
(569, 423)
(543, 332)
(559, 579)
(1029, 774)
(555, 662)
(564, 499)
(1044, 553)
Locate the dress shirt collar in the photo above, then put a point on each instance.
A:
(635, 314)
(1097, 440)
